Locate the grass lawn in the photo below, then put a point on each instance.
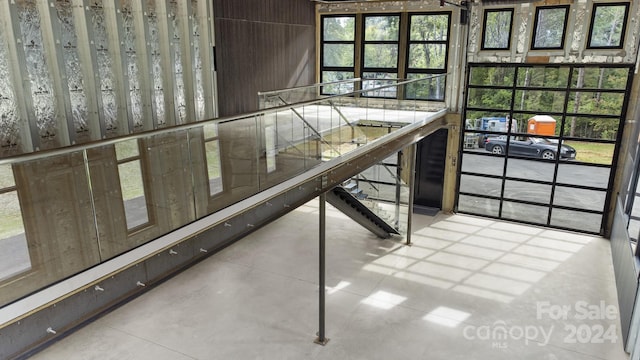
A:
(597, 153)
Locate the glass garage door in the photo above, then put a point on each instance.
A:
(540, 142)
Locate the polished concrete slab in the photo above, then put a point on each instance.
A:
(467, 288)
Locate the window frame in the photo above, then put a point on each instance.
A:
(533, 46)
(484, 28)
(323, 41)
(622, 32)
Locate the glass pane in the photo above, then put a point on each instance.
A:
(431, 88)
(339, 28)
(531, 170)
(608, 23)
(600, 78)
(525, 212)
(331, 76)
(549, 27)
(427, 56)
(592, 152)
(490, 98)
(577, 174)
(576, 220)
(381, 28)
(520, 190)
(579, 198)
(484, 165)
(340, 55)
(596, 103)
(548, 77)
(497, 28)
(480, 185)
(212, 149)
(380, 55)
(531, 146)
(478, 205)
(6, 176)
(132, 185)
(127, 149)
(210, 131)
(493, 76)
(433, 27)
(591, 127)
(388, 92)
(539, 100)
(14, 251)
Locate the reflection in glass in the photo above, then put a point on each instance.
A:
(526, 191)
(585, 175)
(579, 198)
(480, 185)
(479, 164)
(576, 220)
(14, 251)
(212, 149)
(497, 29)
(478, 205)
(607, 25)
(550, 25)
(131, 184)
(525, 212)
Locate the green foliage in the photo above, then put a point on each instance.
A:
(547, 94)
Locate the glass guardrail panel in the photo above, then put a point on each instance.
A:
(47, 229)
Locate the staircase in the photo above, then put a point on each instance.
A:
(352, 201)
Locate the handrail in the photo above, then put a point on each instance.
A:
(270, 92)
(187, 126)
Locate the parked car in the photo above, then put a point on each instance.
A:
(529, 146)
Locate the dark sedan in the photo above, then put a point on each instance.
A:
(529, 146)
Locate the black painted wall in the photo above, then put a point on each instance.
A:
(430, 163)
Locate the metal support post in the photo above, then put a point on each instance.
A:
(398, 188)
(412, 188)
(321, 339)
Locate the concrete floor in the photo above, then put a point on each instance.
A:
(468, 288)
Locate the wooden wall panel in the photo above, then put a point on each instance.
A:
(262, 45)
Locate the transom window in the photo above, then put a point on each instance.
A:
(608, 25)
(549, 27)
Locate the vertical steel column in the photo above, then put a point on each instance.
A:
(398, 188)
(321, 339)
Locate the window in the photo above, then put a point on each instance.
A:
(550, 27)
(386, 52)
(380, 60)
(132, 184)
(608, 23)
(338, 49)
(497, 29)
(427, 54)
